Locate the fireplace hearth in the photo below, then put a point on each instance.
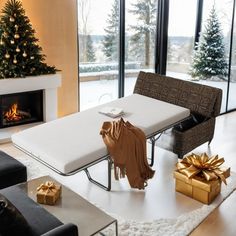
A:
(45, 112)
(21, 108)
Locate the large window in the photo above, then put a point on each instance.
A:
(98, 51)
(224, 14)
(181, 34)
(232, 85)
(118, 38)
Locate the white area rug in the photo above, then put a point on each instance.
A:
(179, 226)
(183, 225)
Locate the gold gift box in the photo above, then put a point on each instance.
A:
(199, 188)
(49, 197)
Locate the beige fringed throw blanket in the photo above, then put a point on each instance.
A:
(126, 145)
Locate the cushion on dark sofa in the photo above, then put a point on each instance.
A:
(11, 220)
(39, 220)
(11, 171)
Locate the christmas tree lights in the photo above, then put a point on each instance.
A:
(20, 54)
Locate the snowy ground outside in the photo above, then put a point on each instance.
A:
(93, 93)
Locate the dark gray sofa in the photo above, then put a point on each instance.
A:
(40, 221)
(11, 171)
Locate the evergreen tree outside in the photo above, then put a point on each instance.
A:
(110, 41)
(91, 57)
(20, 55)
(209, 57)
(142, 41)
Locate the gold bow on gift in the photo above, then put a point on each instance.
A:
(202, 165)
(47, 187)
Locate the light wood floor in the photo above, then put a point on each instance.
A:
(159, 199)
(222, 220)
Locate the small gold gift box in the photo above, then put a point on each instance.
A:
(48, 193)
(200, 177)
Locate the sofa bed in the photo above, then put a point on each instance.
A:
(72, 143)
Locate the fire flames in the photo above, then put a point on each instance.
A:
(13, 114)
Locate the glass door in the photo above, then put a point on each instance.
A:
(98, 51)
(140, 25)
(223, 10)
(181, 32)
(232, 85)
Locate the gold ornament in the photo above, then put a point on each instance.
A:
(16, 26)
(24, 54)
(7, 55)
(16, 36)
(12, 19)
(12, 41)
(17, 49)
(25, 44)
(32, 57)
(15, 61)
(1, 42)
(15, 14)
(32, 69)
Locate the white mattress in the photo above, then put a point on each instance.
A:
(73, 141)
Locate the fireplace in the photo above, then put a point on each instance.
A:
(21, 108)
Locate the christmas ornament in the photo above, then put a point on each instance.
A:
(7, 55)
(15, 61)
(16, 26)
(25, 44)
(16, 36)
(12, 19)
(17, 49)
(1, 42)
(32, 69)
(32, 57)
(12, 41)
(24, 54)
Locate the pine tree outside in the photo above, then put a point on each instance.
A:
(209, 60)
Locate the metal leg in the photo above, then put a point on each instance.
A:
(116, 228)
(108, 187)
(180, 156)
(209, 142)
(153, 141)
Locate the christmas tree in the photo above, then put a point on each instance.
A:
(20, 54)
(209, 57)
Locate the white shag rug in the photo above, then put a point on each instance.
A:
(180, 226)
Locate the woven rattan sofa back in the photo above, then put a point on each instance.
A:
(200, 99)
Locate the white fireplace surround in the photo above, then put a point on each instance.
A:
(47, 83)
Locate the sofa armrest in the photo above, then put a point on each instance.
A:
(62, 230)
